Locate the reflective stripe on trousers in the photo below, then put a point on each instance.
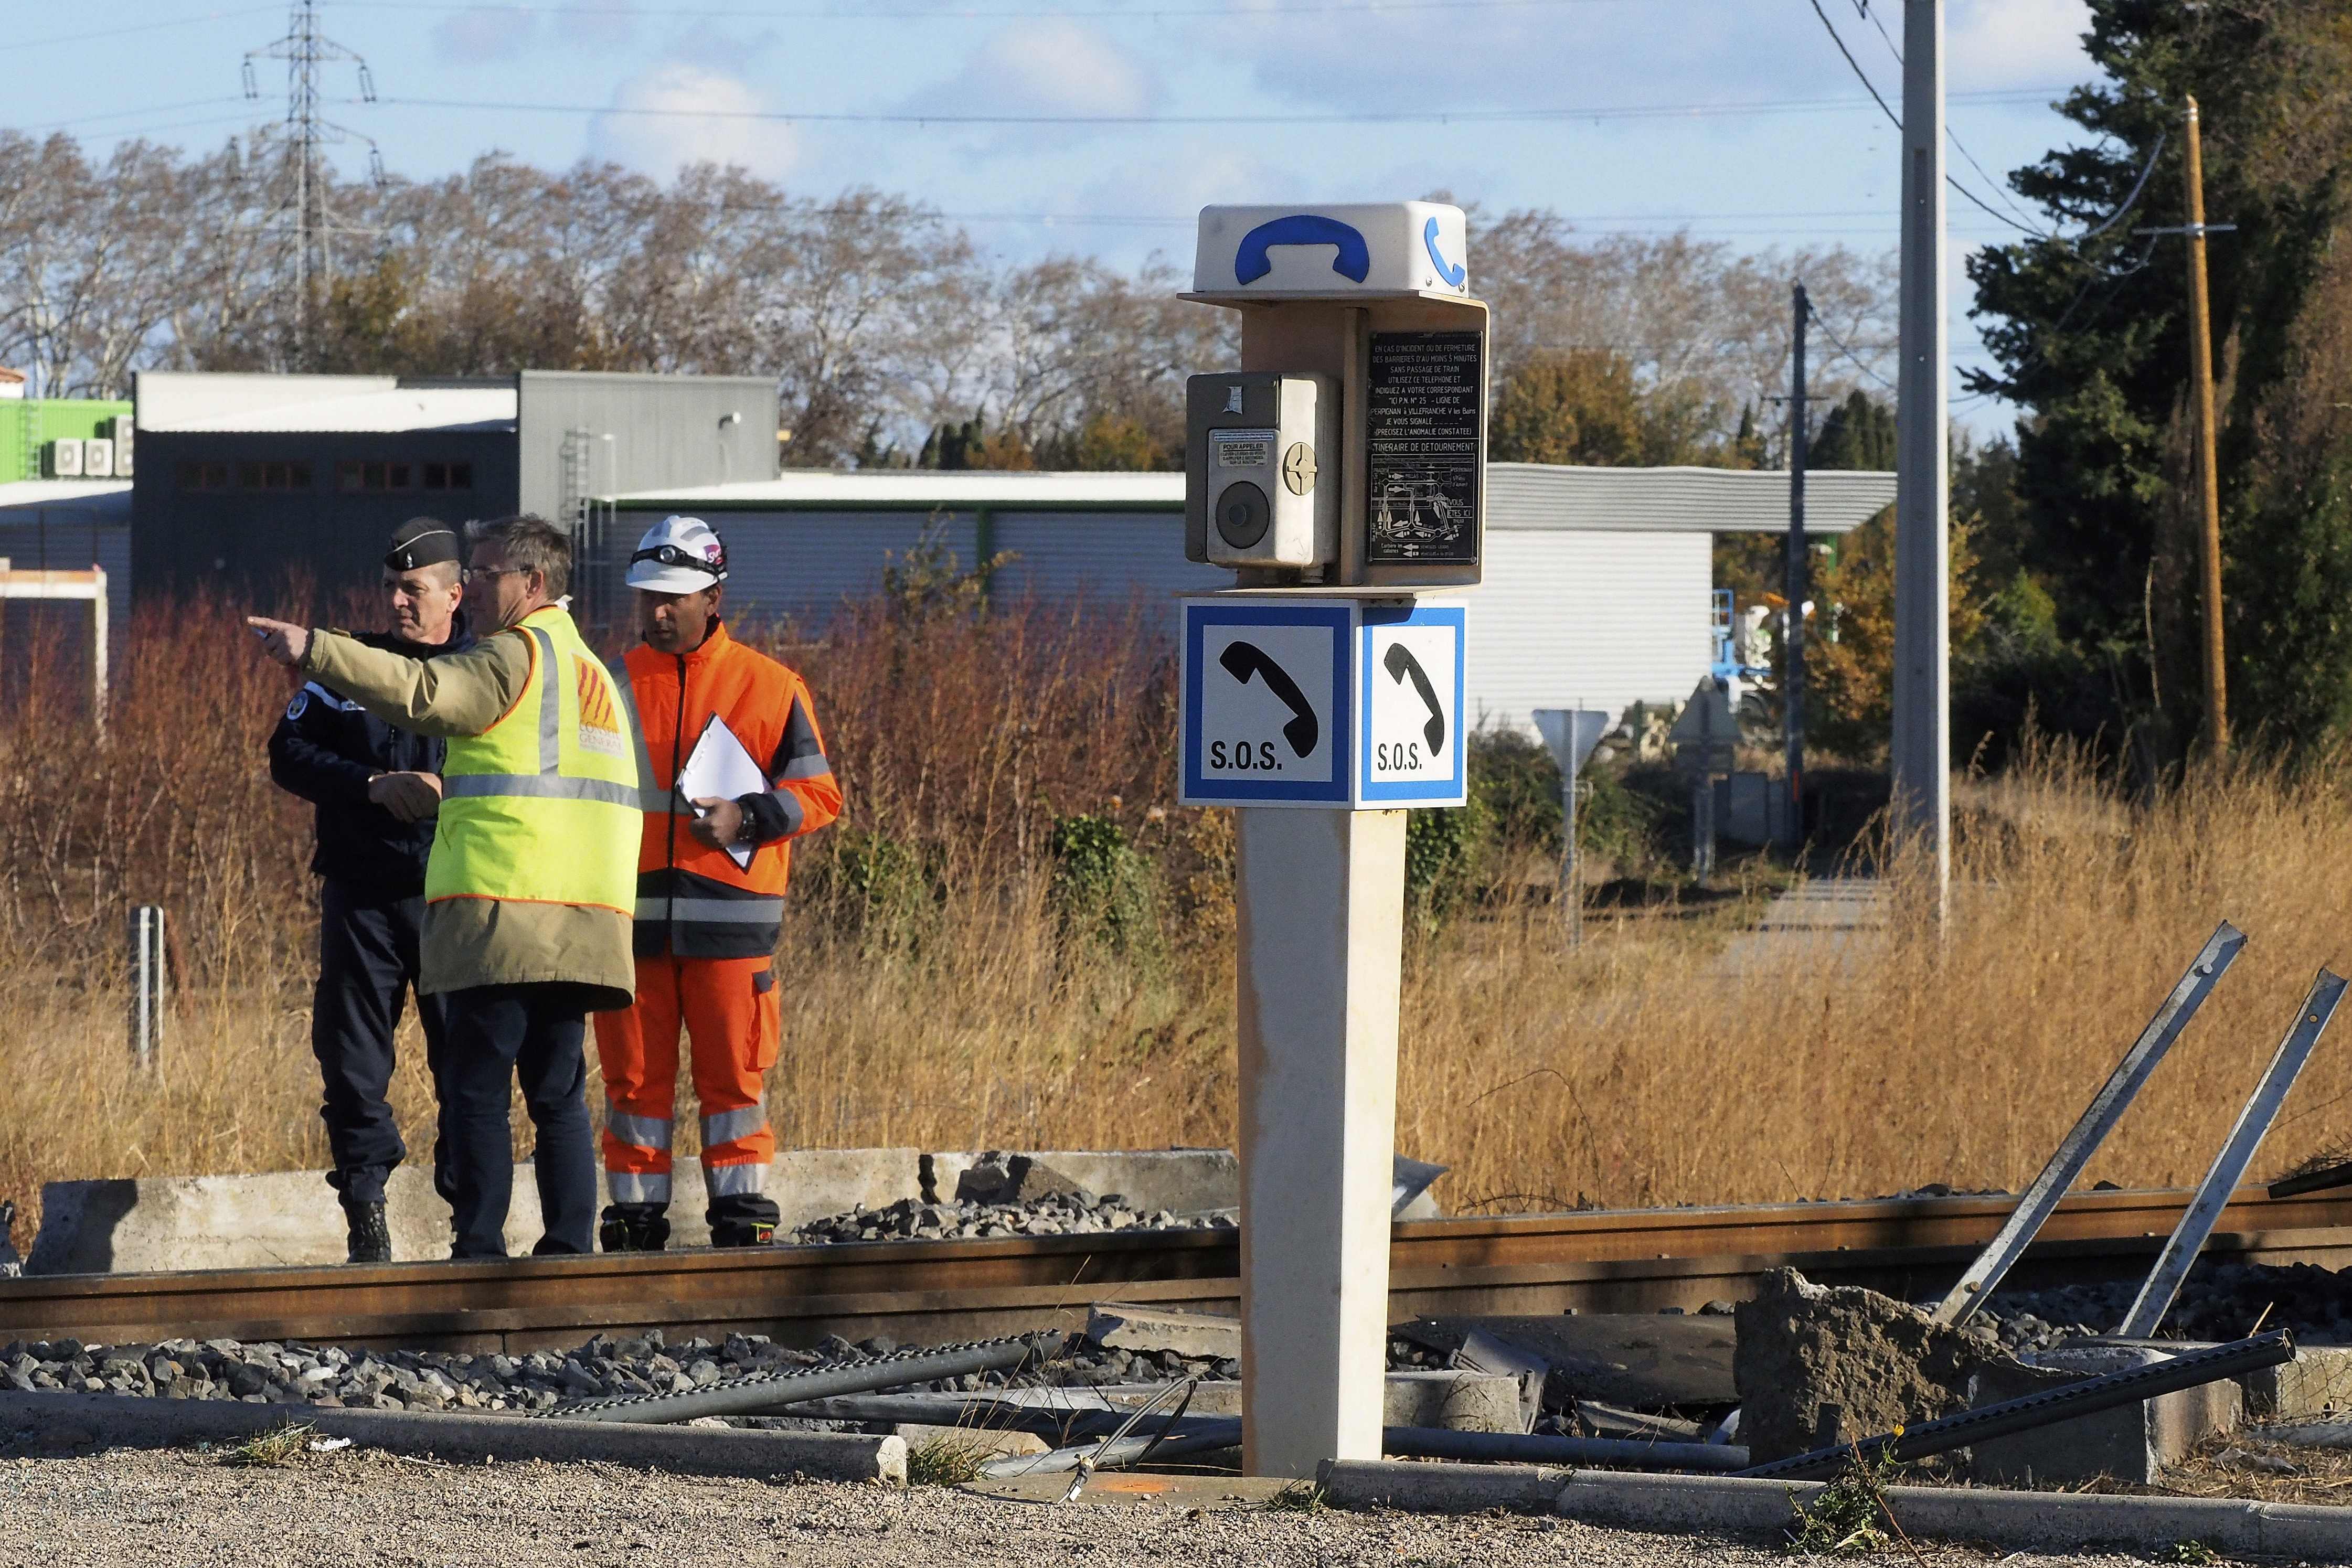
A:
(726, 1126)
(644, 1132)
(735, 1181)
(635, 1186)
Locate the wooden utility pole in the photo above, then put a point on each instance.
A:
(2200, 340)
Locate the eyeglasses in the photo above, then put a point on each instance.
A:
(476, 572)
(670, 555)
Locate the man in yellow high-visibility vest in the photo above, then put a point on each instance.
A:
(533, 878)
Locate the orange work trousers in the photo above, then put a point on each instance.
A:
(731, 1011)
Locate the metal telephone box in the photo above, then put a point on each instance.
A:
(1265, 449)
(1350, 451)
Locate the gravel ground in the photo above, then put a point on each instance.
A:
(1076, 1213)
(354, 1510)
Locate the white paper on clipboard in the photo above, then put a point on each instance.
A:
(720, 766)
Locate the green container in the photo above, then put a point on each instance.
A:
(28, 424)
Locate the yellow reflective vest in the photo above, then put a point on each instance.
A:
(543, 806)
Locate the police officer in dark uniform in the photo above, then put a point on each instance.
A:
(377, 789)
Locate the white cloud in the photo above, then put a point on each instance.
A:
(1050, 67)
(691, 114)
(486, 32)
(2015, 43)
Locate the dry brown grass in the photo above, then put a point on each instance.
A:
(934, 998)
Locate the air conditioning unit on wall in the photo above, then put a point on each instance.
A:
(123, 430)
(98, 459)
(61, 460)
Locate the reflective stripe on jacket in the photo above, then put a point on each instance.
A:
(692, 900)
(543, 806)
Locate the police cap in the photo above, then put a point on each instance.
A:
(423, 542)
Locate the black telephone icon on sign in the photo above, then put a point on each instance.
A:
(1243, 660)
(1401, 667)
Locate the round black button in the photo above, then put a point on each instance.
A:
(1242, 515)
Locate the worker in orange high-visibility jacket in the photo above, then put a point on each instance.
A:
(707, 919)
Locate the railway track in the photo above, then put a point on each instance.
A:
(933, 1292)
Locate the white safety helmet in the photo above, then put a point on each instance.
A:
(678, 555)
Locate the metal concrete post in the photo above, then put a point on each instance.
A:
(1923, 727)
(148, 979)
(1795, 580)
(1321, 900)
(1571, 861)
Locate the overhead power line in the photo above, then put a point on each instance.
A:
(1950, 133)
(1379, 116)
(1852, 357)
(16, 45)
(1864, 76)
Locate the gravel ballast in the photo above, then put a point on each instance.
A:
(359, 1508)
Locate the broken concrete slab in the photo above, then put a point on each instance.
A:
(1817, 1364)
(1641, 1360)
(2135, 1443)
(1122, 1325)
(980, 1442)
(2317, 1382)
(1482, 1352)
(1179, 1180)
(283, 1218)
(2334, 1433)
(1460, 1401)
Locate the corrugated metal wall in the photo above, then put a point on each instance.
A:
(802, 564)
(1587, 620)
(1565, 618)
(1108, 556)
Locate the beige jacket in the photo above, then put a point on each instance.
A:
(479, 941)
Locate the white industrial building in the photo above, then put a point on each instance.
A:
(1597, 580)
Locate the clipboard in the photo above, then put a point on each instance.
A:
(719, 766)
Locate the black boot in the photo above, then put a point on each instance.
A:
(743, 1219)
(634, 1228)
(371, 1237)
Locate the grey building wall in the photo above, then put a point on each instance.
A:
(666, 432)
(242, 540)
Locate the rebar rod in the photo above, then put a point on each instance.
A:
(765, 1390)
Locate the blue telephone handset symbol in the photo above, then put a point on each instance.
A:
(1454, 272)
(1354, 260)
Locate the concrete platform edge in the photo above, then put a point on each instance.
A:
(1422, 1488)
(2011, 1520)
(50, 1421)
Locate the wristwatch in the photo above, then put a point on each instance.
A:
(747, 831)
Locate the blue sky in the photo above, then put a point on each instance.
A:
(1735, 119)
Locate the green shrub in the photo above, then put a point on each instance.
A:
(1441, 851)
(878, 888)
(1103, 889)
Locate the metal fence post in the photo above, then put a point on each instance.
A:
(147, 982)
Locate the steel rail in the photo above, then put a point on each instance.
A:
(939, 1291)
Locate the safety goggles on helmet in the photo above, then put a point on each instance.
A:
(670, 555)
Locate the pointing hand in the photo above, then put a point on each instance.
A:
(281, 640)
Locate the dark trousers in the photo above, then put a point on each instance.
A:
(499, 1034)
(367, 962)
